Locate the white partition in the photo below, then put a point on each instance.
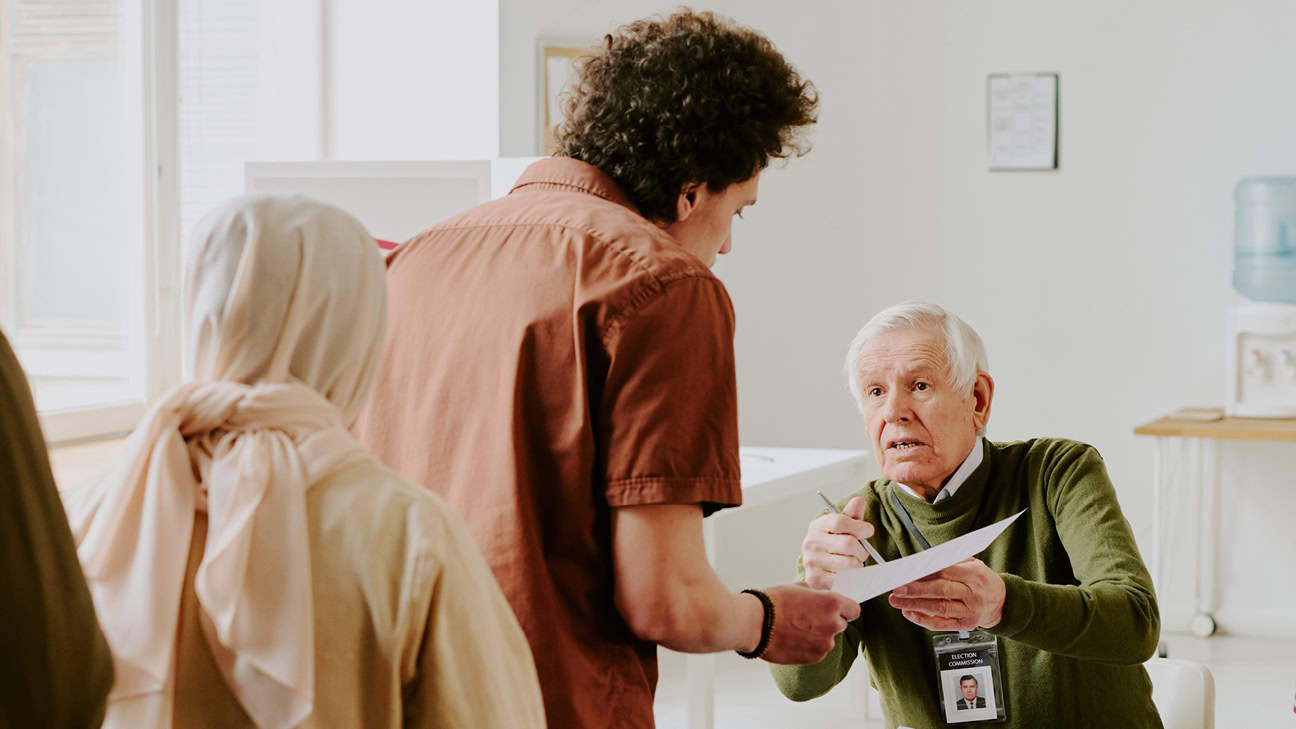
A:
(505, 171)
(756, 545)
(395, 200)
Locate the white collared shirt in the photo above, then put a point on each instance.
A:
(969, 465)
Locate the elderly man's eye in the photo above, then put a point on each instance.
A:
(920, 386)
(875, 391)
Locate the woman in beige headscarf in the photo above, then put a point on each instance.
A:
(251, 565)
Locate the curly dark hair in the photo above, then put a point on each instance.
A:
(691, 97)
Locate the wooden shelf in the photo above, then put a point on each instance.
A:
(1272, 429)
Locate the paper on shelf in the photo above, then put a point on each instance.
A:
(866, 583)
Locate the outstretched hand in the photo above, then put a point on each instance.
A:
(806, 623)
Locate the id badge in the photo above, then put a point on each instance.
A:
(970, 683)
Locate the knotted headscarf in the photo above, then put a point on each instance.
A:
(285, 308)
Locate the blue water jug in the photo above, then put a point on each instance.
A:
(1264, 238)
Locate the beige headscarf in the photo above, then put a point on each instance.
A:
(286, 311)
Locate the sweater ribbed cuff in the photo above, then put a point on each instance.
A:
(1018, 608)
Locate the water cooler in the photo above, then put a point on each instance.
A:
(1261, 354)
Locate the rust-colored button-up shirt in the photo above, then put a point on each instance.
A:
(552, 355)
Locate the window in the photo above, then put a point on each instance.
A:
(123, 122)
(250, 90)
(85, 285)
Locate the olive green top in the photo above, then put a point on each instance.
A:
(1079, 617)
(55, 667)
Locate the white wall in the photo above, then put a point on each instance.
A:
(523, 22)
(411, 80)
(1100, 288)
(442, 80)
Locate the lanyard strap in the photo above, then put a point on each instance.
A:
(908, 521)
(918, 537)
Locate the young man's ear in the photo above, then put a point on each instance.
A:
(687, 201)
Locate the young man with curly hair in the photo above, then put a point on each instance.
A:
(560, 368)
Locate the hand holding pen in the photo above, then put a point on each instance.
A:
(836, 542)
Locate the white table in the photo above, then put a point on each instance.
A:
(757, 544)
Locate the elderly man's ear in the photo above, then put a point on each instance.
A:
(982, 394)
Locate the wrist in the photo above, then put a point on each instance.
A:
(995, 615)
(994, 618)
(751, 616)
(765, 623)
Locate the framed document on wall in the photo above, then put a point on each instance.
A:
(1022, 121)
(555, 70)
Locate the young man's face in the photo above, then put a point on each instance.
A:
(705, 218)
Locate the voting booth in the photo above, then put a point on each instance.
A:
(393, 199)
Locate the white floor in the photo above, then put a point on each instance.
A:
(746, 697)
(1255, 678)
(1255, 687)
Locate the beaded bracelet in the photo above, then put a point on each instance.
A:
(767, 625)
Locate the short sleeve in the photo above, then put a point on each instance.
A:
(669, 412)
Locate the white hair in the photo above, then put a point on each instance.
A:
(965, 354)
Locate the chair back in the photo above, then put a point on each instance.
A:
(1184, 693)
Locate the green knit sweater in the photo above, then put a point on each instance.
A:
(1079, 618)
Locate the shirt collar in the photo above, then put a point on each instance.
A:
(569, 173)
(960, 476)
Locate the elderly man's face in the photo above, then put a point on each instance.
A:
(920, 427)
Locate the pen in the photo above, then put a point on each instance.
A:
(863, 542)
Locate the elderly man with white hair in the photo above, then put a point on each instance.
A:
(1057, 611)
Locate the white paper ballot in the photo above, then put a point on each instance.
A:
(866, 583)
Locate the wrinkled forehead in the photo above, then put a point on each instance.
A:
(908, 350)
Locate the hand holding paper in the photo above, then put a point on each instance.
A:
(964, 596)
(865, 583)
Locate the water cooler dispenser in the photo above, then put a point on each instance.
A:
(1261, 354)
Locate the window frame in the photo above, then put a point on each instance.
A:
(160, 254)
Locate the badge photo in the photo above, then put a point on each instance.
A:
(969, 695)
